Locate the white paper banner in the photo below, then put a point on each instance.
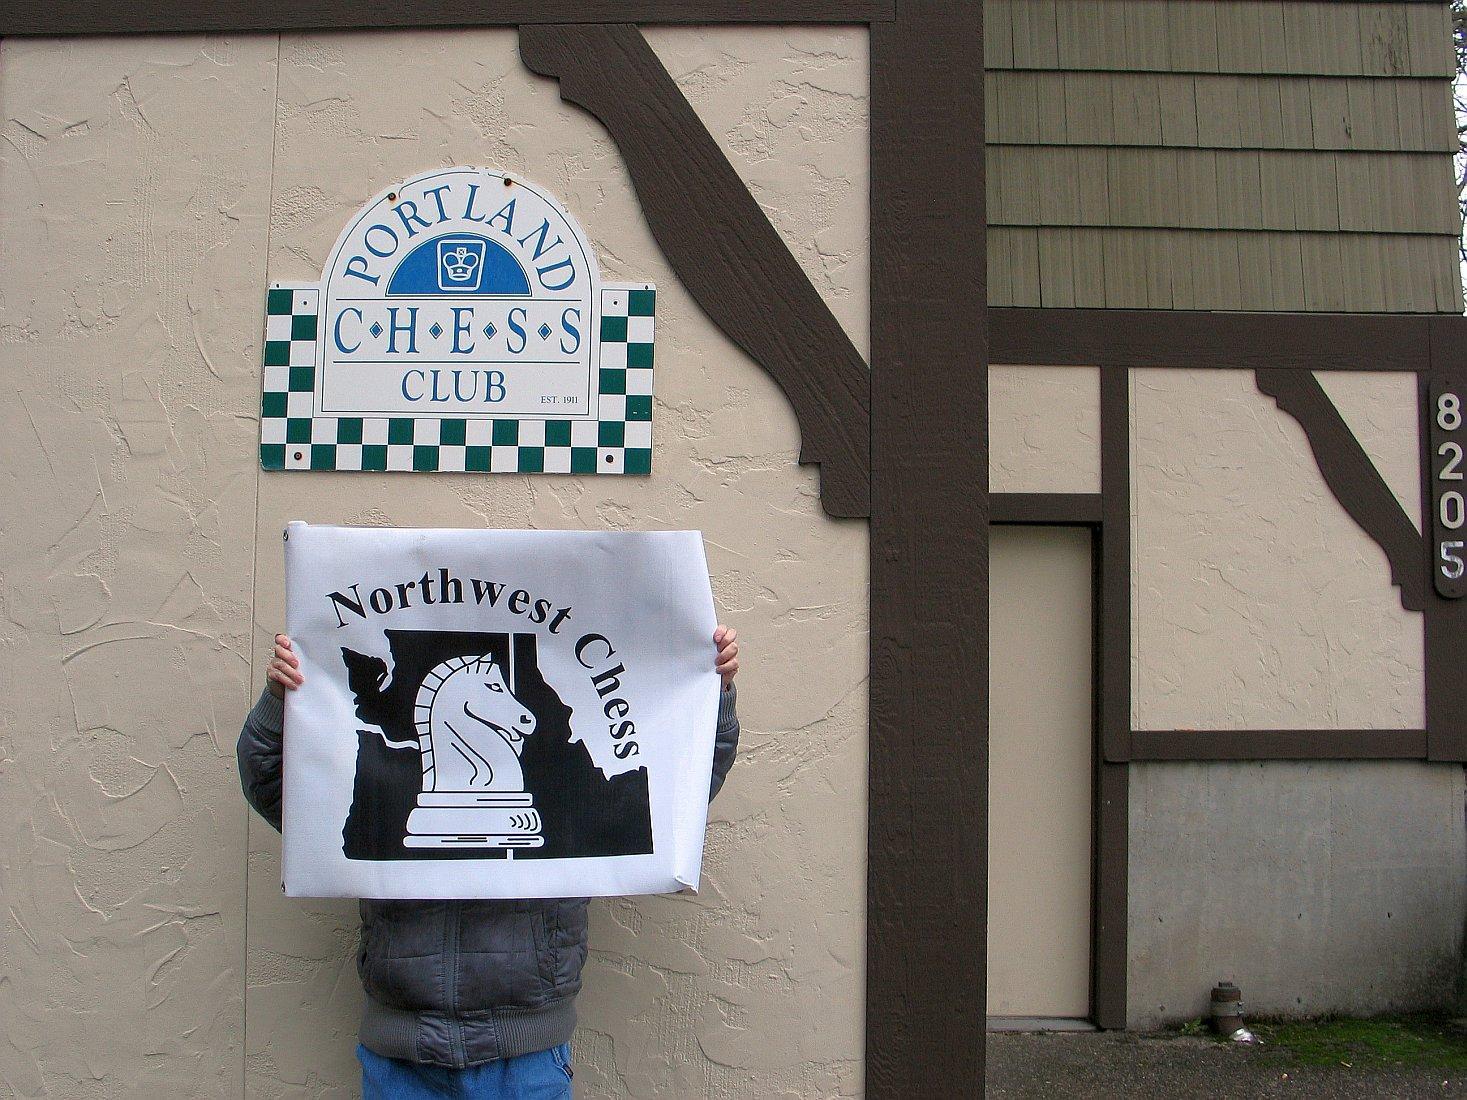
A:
(497, 714)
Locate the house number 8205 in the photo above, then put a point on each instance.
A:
(1450, 508)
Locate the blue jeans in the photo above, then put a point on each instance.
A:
(543, 1075)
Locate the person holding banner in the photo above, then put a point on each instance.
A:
(464, 998)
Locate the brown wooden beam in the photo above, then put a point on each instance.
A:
(1446, 619)
(68, 17)
(722, 246)
(1045, 509)
(1111, 894)
(1115, 564)
(927, 853)
(1278, 745)
(1181, 338)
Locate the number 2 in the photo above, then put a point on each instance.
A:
(1450, 471)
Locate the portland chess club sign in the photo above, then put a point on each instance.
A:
(460, 324)
(497, 713)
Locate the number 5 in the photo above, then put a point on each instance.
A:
(1452, 566)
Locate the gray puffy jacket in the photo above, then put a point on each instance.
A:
(455, 983)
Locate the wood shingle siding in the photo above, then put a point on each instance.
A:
(1325, 37)
(1221, 154)
(1060, 266)
(1221, 189)
(1184, 110)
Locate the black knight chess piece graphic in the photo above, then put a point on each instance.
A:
(473, 757)
(471, 731)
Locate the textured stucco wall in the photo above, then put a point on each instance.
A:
(1258, 601)
(133, 229)
(151, 187)
(1043, 429)
(788, 107)
(753, 988)
(1259, 604)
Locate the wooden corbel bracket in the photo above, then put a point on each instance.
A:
(1351, 476)
(720, 243)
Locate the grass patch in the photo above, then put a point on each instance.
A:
(1374, 1043)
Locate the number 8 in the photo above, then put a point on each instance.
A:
(1448, 412)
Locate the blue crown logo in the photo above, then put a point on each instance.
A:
(459, 264)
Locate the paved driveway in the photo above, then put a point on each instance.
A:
(1061, 1066)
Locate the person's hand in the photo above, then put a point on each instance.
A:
(726, 640)
(284, 672)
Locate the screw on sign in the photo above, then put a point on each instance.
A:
(1449, 509)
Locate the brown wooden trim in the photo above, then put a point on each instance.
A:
(1351, 476)
(1267, 232)
(1111, 858)
(1180, 338)
(1278, 744)
(1044, 141)
(1111, 894)
(30, 17)
(1045, 508)
(719, 241)
(1446, 620)
(1111, 890)
(1114, 592)
(927, 847)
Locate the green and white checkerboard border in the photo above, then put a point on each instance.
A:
(619, 441)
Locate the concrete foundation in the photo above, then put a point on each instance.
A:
(1325, 887)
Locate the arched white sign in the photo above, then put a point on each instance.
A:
(460, 324)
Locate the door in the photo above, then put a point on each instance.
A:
(1041, 769)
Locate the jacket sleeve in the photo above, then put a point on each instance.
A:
(726, 739)
(259, 751)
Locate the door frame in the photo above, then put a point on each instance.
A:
(1110, 782)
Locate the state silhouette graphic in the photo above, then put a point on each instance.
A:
(583, 811)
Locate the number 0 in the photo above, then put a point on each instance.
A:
(1453, 510)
